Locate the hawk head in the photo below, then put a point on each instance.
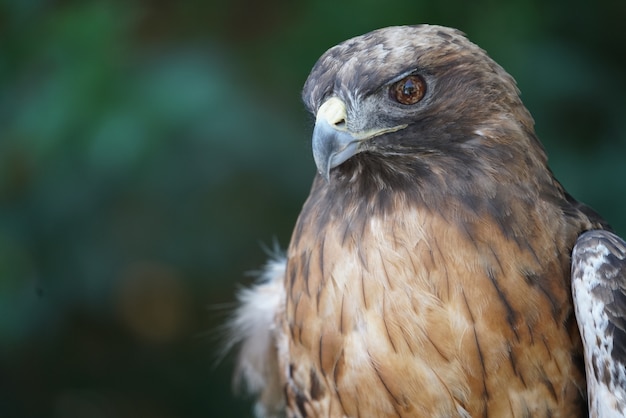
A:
(413, 100)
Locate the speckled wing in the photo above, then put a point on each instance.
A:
(599, 290)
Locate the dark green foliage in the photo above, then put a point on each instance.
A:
(148, 149)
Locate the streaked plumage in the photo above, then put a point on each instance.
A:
(599, 289)
(428, 274)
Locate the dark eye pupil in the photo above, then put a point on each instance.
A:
(409, 88)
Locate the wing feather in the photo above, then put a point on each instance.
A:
(599, 291)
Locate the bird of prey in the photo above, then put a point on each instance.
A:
(429, 271)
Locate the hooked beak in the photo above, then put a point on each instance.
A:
(333, 143)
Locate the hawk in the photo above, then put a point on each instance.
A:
(428, 274)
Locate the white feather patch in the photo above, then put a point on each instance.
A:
(598, 274)
(253, 328)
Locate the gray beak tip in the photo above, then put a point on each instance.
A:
(331, 147)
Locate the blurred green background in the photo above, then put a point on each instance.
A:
(150, 149)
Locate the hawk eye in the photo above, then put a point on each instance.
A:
(409, 90)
